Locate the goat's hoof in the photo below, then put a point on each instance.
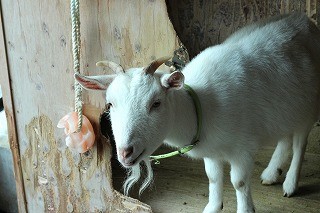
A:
(270, 176)
(213, 208)
(287, 195)
(290, 186)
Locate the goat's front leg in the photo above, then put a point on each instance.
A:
(214, 170)
(241, 168)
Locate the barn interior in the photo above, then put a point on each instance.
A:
(36, 65)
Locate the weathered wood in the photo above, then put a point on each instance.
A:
(12, 131)
(38, 36)
(201, 23)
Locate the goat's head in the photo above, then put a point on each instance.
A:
(138, 106)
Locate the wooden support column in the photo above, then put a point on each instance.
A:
(37, 83)
(10, 114)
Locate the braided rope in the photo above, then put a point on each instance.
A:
(75, 19)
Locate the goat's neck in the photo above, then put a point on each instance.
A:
(184, 119)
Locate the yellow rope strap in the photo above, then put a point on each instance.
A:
(75, 19)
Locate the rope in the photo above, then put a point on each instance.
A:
(75, 19)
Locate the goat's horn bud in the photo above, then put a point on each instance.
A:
(117, 68)
(151, 68)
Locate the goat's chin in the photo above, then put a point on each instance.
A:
(134, 174)
(130, 165)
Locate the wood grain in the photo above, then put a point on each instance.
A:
(38, 36)
(10, 115)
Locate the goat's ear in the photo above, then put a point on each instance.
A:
(100, 82)
(174, 80)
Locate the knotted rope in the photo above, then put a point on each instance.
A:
(75, 19)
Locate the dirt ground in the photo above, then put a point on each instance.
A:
(181, 185)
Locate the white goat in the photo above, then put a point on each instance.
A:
(261, 85)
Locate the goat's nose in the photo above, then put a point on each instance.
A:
(126, 152)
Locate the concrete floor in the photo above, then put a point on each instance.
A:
(8, 196)
(181, 185)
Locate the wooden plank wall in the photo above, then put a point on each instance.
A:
(39, 79)
(203, 23)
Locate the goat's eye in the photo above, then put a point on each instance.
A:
(156, 104)
(108, 106)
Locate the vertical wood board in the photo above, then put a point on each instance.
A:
(12, 132)
(38, 40)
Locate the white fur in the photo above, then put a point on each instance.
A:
(261, 85)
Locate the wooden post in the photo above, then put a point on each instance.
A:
(9, 109)
(38, 90)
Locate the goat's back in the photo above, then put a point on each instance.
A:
(264, 80)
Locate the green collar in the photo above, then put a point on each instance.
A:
(195, 140)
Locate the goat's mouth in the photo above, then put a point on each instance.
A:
(131, 162)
